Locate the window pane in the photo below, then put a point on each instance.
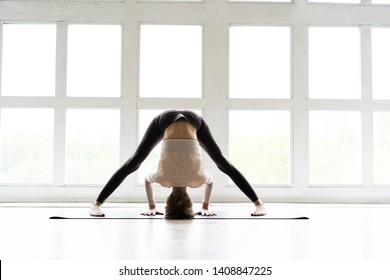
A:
(150, 164)
(104, 1)
(335, 148)
(168, 1)
(171, 61)
(380, 1)
(28, 60)
(381, 63)
(254, 1)
(336, 1)
(259, 64)
(94, 60)
(260, 145)
(381, 147)
(92, 145)
(334, 63)
(27, 145)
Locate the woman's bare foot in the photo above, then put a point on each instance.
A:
(260, 209)
(95, 210)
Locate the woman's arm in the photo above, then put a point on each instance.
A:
(152, 203)
(206, 201)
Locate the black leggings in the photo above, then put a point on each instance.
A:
(154, 134)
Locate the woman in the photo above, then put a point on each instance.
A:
(188, 129)
(179, 167)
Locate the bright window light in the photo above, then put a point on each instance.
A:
(170, 1)
(259, 145)
(171, 61)
(381, 148)
(386, 2)
(259, 63)
(336, 1)
(94, 60)
(26, 145)
(335, 148)
(254, 1)
(381, 63)
(92, 145)
(334, 63)
(28, 60)
(93, 1)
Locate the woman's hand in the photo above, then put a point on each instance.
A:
(205, 212)
(152, 212)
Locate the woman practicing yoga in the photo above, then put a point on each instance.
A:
(179, 167)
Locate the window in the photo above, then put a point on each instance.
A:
(94, 60)
(334, 63)
(170, 1)
(171, 61)
(380, 63)
(259, 145)
(381, 148)
(336, 1)
(387, 2)
(335, 148)
(258, 1)
(26, 146)
(95, 0)
(259, 64)
(92, 145)
(28, 61)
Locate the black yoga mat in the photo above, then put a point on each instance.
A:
(121, 213)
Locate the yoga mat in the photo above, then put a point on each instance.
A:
(276, 214)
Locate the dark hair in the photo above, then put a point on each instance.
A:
(179, 206)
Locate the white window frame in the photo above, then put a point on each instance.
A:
(300, 15)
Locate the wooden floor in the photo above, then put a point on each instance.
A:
(357, 232)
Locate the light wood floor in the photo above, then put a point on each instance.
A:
(357, 232)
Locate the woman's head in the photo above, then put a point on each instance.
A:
(179, 205)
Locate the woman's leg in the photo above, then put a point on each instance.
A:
(152, 137)
(207, 142)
